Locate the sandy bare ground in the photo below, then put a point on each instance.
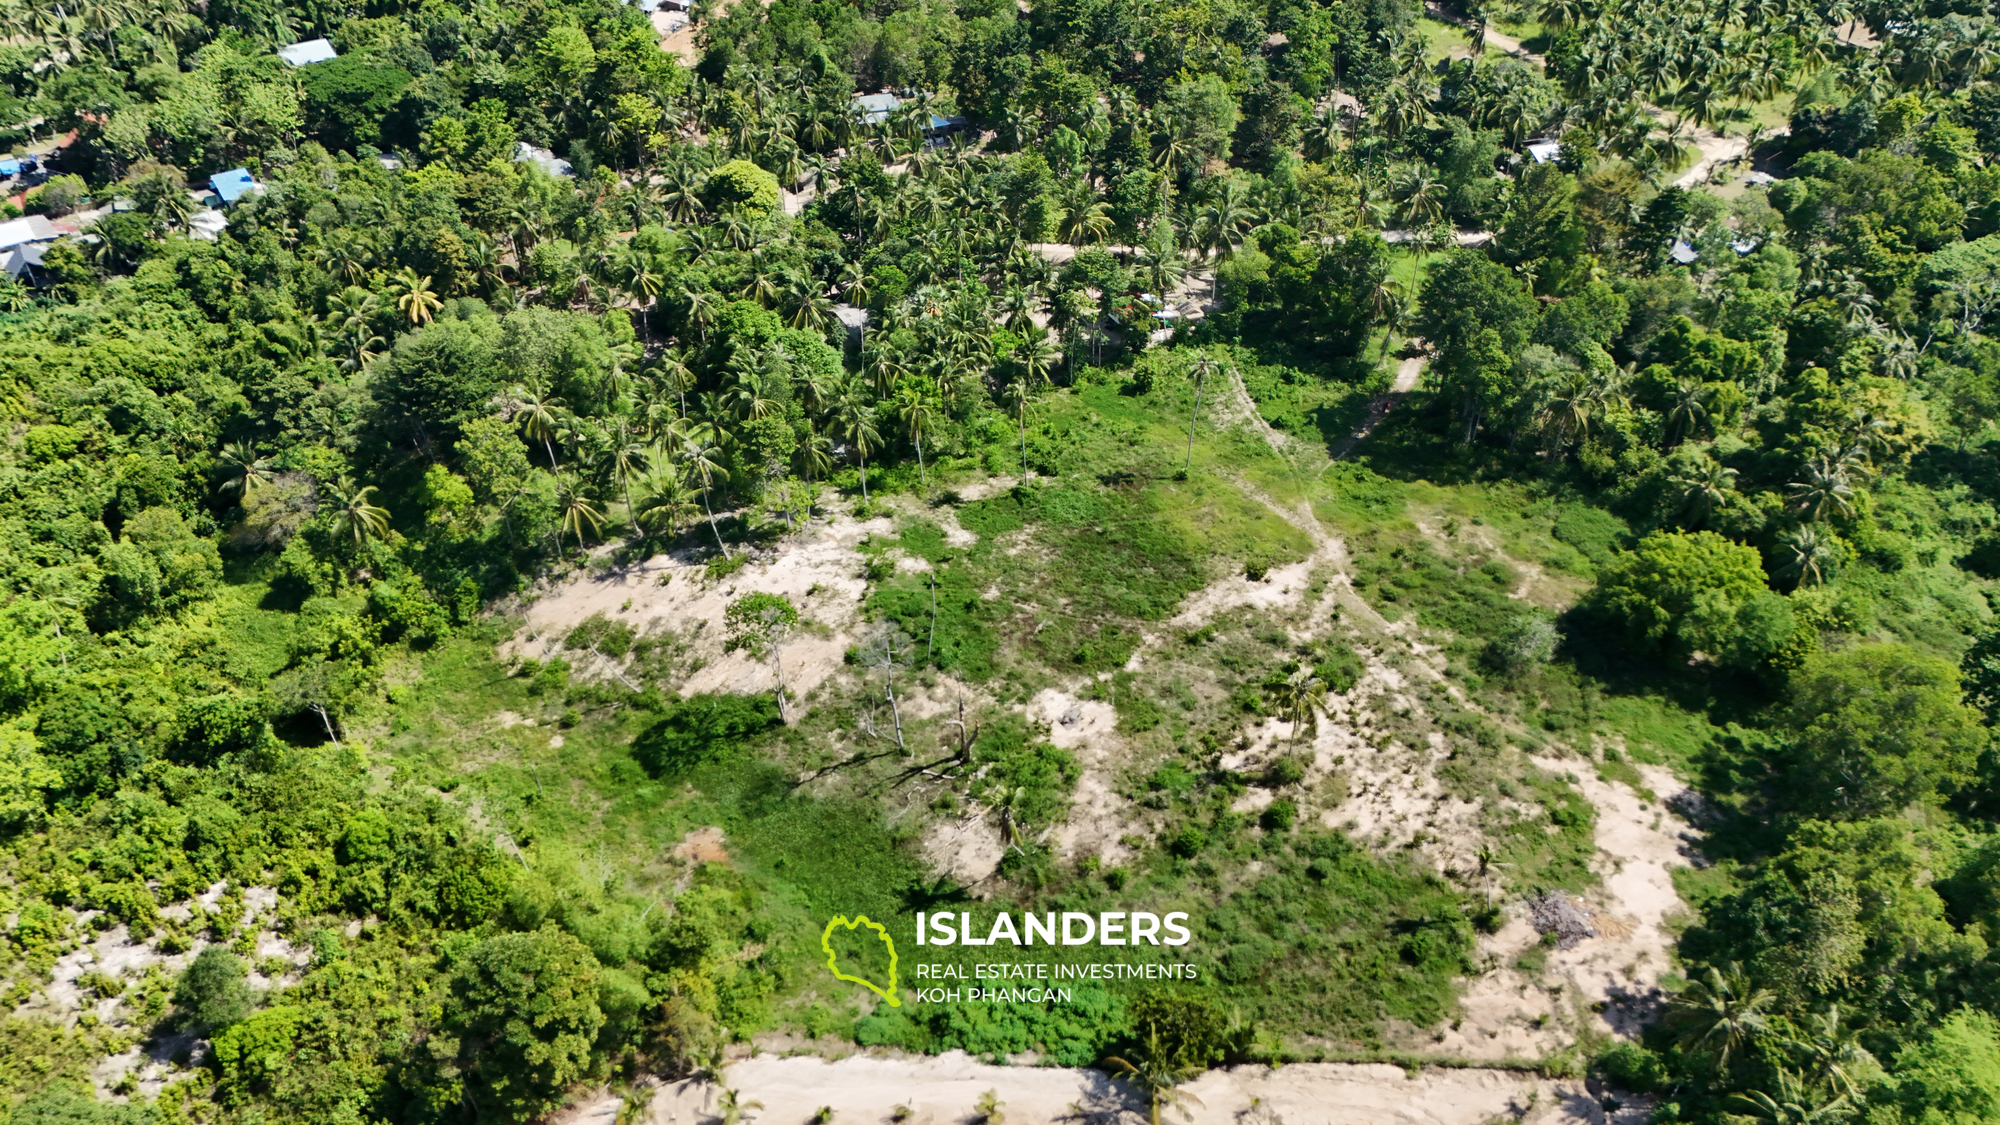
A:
(944, 1090)
(819, 569)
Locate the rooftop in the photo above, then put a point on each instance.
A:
(34, 228)
(232, 185)
(308, 52)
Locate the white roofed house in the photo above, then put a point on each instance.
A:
(308, 51)
(22, 244)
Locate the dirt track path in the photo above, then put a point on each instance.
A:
(944, 1090)
(1408, 374)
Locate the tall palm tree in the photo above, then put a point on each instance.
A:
(576, 510)
(852, 417)
(918, 409)
(1704, 489)
(539, 413)
(1812, 551)
(1018, 395)
(413, 296)
(355, 518)
(1824, 485)
(1721, 1012)
(1204, 366)
(244, 470)
(1300, 699)
(664, 496)
(701, 451)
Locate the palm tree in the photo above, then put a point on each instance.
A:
(1812, 550)
(1156, 1076)
(1204, 366)
(1793, 1104)
(852, 417)
(1837, 1059)
(1722, 1012)
(622, 455)
(732, 1106)
(413, 296)
(664, 496)
(1825, 485)
(1704, 489)
(539, 413)
(1039, 355)
(576, 510)
(917, 408)
(701, 450)
(1018, 395)
(1300, 699)
(1688, 409)
(244, 469)
(354, 517)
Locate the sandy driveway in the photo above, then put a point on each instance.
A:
(944, 1090)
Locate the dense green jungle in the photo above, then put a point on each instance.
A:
(511, 520)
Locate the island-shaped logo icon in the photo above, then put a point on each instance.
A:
(833, 959)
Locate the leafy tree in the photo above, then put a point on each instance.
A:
(1655, 589)
(760, 622)
(213, 992)
(1876, 728)
(520, 1022)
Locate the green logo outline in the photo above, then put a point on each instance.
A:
(832, 959)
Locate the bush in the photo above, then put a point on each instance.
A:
(213, 992)
(1340, 669)
(58, 197)
(1279, 816)
(1188, 842)
(702, 729)
(601, 634)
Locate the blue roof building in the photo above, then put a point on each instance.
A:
(9, 167)
(232, 185)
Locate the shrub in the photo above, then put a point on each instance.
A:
(1188, 842)
(702, 729)
(1278, 816)
(213, 992)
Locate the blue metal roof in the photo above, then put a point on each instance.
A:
(232, 185)
(9, 166)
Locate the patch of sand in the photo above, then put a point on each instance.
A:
(944, 1089)
(1098, 816)
(819, 570)
(703, 845)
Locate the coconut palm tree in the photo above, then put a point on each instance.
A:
(1300, 699)
(244, 470)
(1720, 1012)
(918, 409)
(852, 417)
(413, 297)
(732, 1106)
(701, 451)
(1204, 366)
(1824, 485)
(1704, 489)
(539, 413)
(1156, 1076)
(575, 510)
(355, 518)
(664, 497)
(1812, 551)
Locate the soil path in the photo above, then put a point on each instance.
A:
(1408, 374)
(944, 1090)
